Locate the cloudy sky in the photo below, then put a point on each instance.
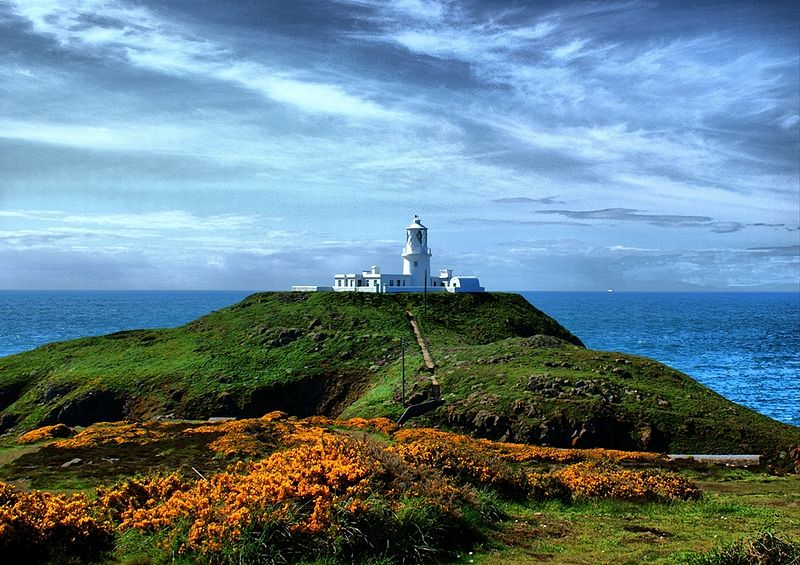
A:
(637, 145)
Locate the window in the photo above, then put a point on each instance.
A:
(391, 282)
(415, 263)
(339, 283)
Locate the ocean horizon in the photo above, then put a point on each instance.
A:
(743, 345)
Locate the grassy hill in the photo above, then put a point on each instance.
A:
(507, 371)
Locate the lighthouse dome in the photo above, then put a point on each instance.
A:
(416, 224)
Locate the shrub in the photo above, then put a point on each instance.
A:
(39, 527)
(593, 479)
(46, 432)
(765, 549)
(458, 459)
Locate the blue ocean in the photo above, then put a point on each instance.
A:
(746, 346)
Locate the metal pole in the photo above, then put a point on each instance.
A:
(425, 295)
(403, 344)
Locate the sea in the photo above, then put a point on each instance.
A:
(745, 346)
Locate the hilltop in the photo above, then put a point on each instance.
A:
(507, 371)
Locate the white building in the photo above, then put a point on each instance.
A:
(416, 276)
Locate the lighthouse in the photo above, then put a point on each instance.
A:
(416, 276)
(416, 254)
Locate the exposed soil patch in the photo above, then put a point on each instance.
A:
(645, 530)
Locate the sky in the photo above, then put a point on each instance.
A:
(256, 144)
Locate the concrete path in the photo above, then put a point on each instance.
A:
(727, 459)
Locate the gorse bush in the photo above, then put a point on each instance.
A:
(352, 491)
(326, 496)
(40, 527)
(46, 432)
(595, 479)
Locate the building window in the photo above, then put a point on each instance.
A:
(338, 283)
(415, 263)
(391, 282)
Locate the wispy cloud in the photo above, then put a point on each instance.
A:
(140, 37)
(546, 200)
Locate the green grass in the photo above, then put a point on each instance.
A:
(648, 405)
(339, 354)
(614, 532)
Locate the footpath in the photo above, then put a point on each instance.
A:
(418, 409)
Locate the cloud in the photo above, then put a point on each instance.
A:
(791, 251)
(137, 35)
(626, 214)
(547, 200)
(151, 230)
(515, 222)
(568, 51)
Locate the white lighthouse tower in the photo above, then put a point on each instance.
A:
(416, 255)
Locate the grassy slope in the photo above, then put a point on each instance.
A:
(325, 352)
(616, 400)
(240, 359)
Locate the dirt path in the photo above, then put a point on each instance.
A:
(421, 341)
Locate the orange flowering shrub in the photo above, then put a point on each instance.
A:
(116, 433)
(486, 463)
(240, 438)
(456, 457)
(593, 479)
(46, 432)
(547, 486)
(40, 526)
(382, 425)
(523, 453)
(310, 498)
(299, 486)
(136, 493)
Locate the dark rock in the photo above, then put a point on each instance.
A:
(490, 425)
(286, 337)
(53, 391)
(90, 407)
(543, 342)
(9, 394)
(8, 421)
